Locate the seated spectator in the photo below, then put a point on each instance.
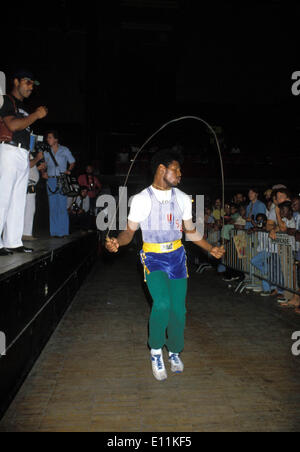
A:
(79, 211)
(260, 223)
(229, 226)
(227, 213)
(240, 222)
(255, 207)
(89, 180)
(239, 199)
(208, 217)
(218, 212)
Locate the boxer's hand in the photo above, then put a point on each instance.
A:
(112, 245)
(218, 252)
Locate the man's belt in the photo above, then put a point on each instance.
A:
(17, 145)
(162, 247)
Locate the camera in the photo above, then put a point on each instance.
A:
(41, 145)
(38, 144)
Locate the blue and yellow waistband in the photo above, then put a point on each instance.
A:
(167, 247)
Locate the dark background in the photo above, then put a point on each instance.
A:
(112, 72)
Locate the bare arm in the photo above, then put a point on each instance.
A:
(271, 225)
(123, 239)
(71, 167)
(39, 157)
(281, 224)
(17, 124)
(193, 235)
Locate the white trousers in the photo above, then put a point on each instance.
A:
(29, 213)
(14, 173)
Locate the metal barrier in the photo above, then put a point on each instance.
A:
(262, 259)
(214, 238)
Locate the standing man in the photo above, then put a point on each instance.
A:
(94, 186)
(254, 208)
(57, 162)
(14, 161)
(35, 166)
(162, 210)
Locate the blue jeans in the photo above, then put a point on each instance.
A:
(262, 262)
(59, 217)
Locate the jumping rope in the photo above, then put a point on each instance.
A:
(154, 135)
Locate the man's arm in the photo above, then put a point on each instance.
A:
(34, 161)
(193, 235)
(71, 167)
(123, 239)
(281, 224)
(17, 124)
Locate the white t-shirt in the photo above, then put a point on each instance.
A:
(290, 223)
(272, 214)
(140, 206)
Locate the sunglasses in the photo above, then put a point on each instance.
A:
(28, 81)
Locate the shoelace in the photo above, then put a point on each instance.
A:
(158, 361)
(175, 358)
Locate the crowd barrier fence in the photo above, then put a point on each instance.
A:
(260, 258)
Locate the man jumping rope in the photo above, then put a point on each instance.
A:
(162, 210)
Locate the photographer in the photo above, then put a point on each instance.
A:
(79, 208)
(14, 161)
(36, 164)
(57, 160)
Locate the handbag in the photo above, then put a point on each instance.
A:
(5, 133)
(67, 185)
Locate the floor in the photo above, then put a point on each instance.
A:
(95, 374)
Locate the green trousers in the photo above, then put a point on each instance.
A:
(167, 319)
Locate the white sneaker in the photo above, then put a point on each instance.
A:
(176, 363)
(158, 366)
(257, 289)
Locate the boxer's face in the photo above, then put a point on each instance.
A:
(172, 174)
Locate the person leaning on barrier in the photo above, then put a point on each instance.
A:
(14, 160)
(296, 208)
(285, 220)
(279, 196)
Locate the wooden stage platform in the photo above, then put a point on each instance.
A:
(35, 291)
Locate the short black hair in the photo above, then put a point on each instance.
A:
(54, 133)
(286, 204)
(254, 189)
(264, 217)
(165, 157)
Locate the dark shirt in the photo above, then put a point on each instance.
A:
(8, 109)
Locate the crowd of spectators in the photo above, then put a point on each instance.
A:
(277, 212)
